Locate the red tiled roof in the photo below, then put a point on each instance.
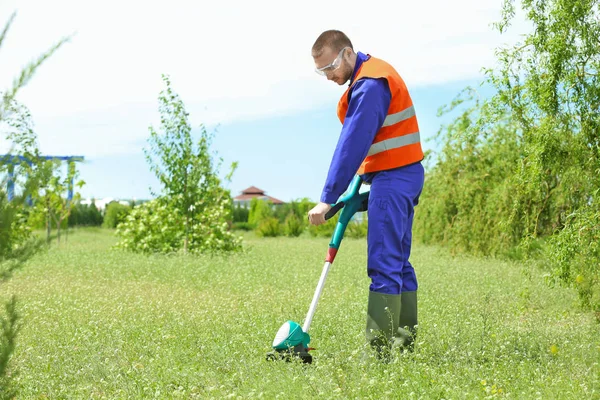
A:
(242, 197)
(274, 200)
(253, 190)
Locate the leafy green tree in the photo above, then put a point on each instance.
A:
(574, 253)
(551, 87)
(240, 214)
(191, 191)
(85, 215)
(58, 205)
(518, 173)
(17, 244)
(467, 201)
(49, 187)
(260, 210)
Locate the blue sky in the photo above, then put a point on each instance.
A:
(244, 66)
(287, 155)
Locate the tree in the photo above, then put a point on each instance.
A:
(191, 189)
(57, 206)
(260, 210)
(17, 244)
(519, 171)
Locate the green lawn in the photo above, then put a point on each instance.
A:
(100, 323)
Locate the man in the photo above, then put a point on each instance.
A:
(380, 141)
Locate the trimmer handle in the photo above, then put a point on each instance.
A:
(334, 210)
(350, 204)
(350, 196)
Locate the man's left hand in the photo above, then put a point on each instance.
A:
(316, 216)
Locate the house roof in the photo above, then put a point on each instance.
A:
(253, 190)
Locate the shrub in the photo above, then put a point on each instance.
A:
(151, 227)
(115, 214)
(156, 226)
(270, 227)
(293, 225)
(243, 226)
(574, 255)
(357, 229)
(260, 210)
(240, 214)
(299, 207)
(84, 215)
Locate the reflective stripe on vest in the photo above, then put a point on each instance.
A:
(399, 117)
(394, 143)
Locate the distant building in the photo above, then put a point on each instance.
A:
(253, 192)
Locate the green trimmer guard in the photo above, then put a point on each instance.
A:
(292, 340)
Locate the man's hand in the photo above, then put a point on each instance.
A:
(316, 216)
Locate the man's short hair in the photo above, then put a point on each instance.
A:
(334, 39)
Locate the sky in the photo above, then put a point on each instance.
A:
(243, 70)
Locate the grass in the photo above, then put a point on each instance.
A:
(100, 323)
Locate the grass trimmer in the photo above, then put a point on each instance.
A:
(292, 340)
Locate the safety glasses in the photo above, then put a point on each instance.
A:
(333, 66)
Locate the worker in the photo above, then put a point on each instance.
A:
(379, 141)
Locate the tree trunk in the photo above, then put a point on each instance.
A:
(48, 222)
(58, 230)
(187, 234)
(57, 222)
(187, 215)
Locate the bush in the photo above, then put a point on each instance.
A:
(84, 215)
(467, 199)
(243, 226)
(80, 215)
(293, 225)
(240, 214)
(574, 256)
(115, 214)
(151, 227)
(156, 226)
(270, 227)
(260, 210)
(356, 229)
(299, 207)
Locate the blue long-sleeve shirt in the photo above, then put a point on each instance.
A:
(369, 101)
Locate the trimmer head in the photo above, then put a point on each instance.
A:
(288, 355)
(290, 341)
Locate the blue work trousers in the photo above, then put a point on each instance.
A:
(393, 197)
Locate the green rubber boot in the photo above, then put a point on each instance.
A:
(407, 331)
(383, 315)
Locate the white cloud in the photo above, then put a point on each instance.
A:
(227, 59)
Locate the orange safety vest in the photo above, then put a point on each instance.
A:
(397, 143)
